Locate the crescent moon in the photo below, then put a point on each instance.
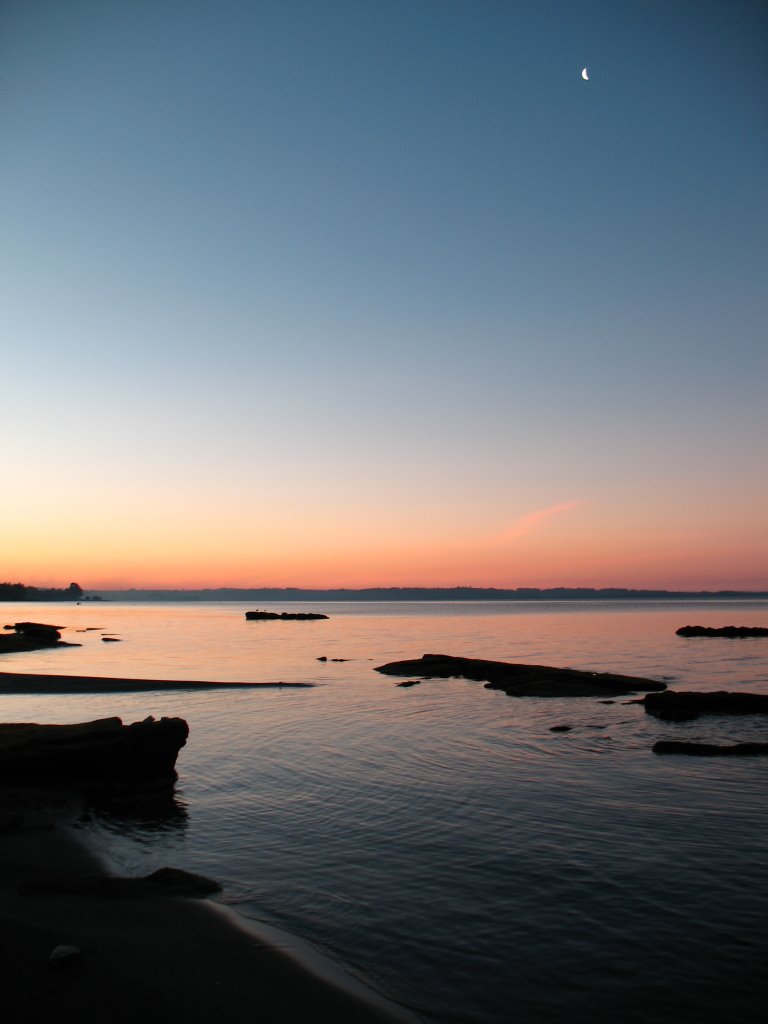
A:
(585, 74)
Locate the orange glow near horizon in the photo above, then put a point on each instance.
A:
(566, 544)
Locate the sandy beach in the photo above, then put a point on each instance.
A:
(180, 959)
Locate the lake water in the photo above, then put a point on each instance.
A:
(439, 841)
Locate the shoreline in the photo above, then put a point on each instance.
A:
(183, 959)
(44, 682)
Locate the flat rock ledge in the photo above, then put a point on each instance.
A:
(680, 706)
(283, 616)
(710, 749)
(522, 680)
(99, 752)
(731, 632)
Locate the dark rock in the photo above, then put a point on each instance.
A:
(410, 682)
(175, 882)
(680, 706)
(522, 680)
(36, 628)
(31, 636)
(165, 882)
(606, 702)
(323, 658)
(104, 751)
(560, 728)
(111, 640)
(284, 616)
(709, 749)
(732, 632)
(64, 957)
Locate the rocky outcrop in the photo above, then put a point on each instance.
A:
(522, 680)
(283, 616)
(31, 636)
(710, 749)
(732, 632)
(104, 751)
(681, 706)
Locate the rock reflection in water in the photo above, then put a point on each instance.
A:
(137, 812)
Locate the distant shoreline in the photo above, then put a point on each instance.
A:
(423, 594)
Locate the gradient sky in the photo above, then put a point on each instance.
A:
(381, 292)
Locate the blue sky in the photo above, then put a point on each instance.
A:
(291, 261)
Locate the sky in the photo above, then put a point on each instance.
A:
(383, 292)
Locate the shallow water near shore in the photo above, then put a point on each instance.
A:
(440, 841)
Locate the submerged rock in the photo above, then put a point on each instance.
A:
(710, 749)
(103, 751)
(732, 632)
(522, 680)
(269, 616)
(680, 706)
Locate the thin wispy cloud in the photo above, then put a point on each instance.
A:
(533, 520)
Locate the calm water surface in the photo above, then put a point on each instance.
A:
(440, 841)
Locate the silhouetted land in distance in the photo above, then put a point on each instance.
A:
(21, 592)
(425, 594)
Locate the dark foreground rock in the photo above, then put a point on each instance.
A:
(732, 632)
(522, 680)
(710, 749)
(163, 882)
(285, 616)
(31, 636)
(681, 706)
(104, 751)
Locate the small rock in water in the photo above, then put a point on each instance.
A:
(322, 658)
(64, 956)
(410, 682)
(560, 728)
(110, 640)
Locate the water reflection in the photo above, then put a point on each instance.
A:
(136, 813)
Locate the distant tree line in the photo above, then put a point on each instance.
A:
(21, 592)
(423, 594)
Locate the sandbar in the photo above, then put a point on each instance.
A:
(33, 682)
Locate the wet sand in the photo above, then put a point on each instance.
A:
(183, 960)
